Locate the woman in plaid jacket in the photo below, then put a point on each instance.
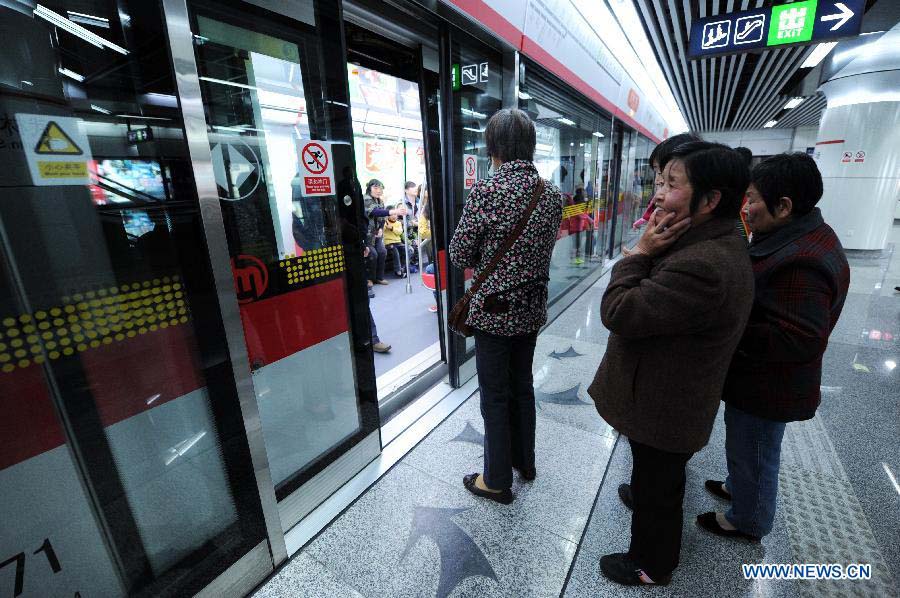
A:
(802, 277)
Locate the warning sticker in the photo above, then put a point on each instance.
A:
(470, 170)
(317, 169)
(860, 156)
(57, 149)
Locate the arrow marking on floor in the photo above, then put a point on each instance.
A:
(567, 397)
(470, 434)
(570, 352)
(461, 557)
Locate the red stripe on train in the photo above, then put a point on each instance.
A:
(28, 424)
(288, 323)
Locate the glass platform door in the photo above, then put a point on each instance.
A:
(275, 104)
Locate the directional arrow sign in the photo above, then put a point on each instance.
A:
(801, 22)
(842, 17)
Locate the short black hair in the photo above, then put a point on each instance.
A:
(746, 152)
(795, 175)
(373, 183)
(510, 135)
(660, 154)
(409, 185)
(714, 167)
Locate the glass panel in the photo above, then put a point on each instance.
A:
(600, 191)
(273, 121)
(124, 462)
(571, 144)
(625, 198)
(477, 95)
(640, 189)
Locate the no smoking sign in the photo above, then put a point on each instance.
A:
(470, 170)
(317, 170)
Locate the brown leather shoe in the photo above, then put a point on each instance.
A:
(380, 347)
(381, 281)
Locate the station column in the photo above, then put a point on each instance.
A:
(856, 147)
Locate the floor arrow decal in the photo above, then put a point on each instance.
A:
(461, 557)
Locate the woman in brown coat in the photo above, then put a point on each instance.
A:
(675, 308)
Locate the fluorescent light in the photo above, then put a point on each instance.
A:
(544, 147)
(77, 30)
(468, 112)
(99, 109)
(890, 364)
(793, 103)
(598, 134)
(235, 129)
(231, 83)
(24, 82)
(71, 74)
(524, 96)
(818, 55)
(86, 19)
(566, 121)
(770, 124)
(139, 117)
(473, 130)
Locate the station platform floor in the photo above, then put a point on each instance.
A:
(418, 532)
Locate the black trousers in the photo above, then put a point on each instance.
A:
(507, 404)
(376, 260)
(657, 488)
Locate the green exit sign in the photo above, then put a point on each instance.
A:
(455, 77)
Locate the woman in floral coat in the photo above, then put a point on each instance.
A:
(511, 305)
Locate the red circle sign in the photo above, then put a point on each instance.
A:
(470, 166)
(315, 158)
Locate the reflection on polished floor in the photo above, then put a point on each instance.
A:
(417, 532)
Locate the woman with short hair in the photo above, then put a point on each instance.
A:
(511, 305)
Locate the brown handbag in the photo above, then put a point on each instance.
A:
(460, 312)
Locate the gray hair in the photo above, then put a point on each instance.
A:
(510, 135)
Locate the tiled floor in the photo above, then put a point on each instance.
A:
(417, 532)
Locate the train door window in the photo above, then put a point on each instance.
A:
(274, 92)
(640, 187)
(477, 84)
(124, 463)
(388, 134)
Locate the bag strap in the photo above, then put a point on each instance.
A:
(510, 240)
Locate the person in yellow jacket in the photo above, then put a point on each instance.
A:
(393, 241)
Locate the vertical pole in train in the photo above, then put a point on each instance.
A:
(406, 251)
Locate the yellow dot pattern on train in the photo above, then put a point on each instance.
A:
(89, 319)
(316, 263)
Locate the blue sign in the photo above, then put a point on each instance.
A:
(808, 21)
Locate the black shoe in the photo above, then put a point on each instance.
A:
(526, 474)
(708, 522)
(621, 569)
(504, 497)
(717, 488)
(625, 496)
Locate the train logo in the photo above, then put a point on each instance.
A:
(251, 278)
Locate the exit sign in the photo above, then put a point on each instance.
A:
(808, 21)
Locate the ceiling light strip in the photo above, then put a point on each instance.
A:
(90, 37)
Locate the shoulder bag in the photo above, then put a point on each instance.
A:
(460, 312)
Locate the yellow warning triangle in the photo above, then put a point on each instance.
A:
(55, 141)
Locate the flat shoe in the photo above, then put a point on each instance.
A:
(708, 522)
(716, 488)
(382, 281)
(621, 569)
(504, 497)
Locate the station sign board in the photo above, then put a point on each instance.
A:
(809, 21)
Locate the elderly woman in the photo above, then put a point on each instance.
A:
(511, 305)
(675, 308)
